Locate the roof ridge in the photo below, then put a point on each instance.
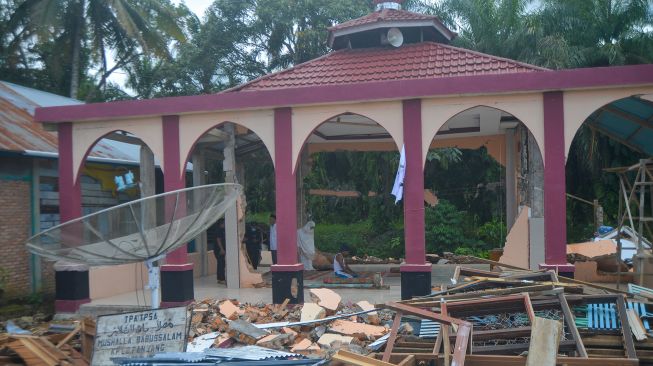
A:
(380, 15)
(520, 63)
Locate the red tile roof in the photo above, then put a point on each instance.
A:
(384, 15)
(426, 60)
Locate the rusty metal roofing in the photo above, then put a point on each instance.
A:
(21, 134)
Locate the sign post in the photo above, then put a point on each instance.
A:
(139, 334)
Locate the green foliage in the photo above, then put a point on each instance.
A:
(492, 233)
(362, 237)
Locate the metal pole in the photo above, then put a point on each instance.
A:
(640, 248)
(620, 217)
(153, 271)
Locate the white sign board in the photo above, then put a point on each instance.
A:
(139, 334)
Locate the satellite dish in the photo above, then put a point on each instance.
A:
(395, 37)
(142, 230)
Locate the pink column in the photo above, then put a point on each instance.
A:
(287, 275)
(70, 192)
(555, 205)
(72, 286)
(173, 178)
(286, 195)
(415, 272)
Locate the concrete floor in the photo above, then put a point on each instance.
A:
(207, 288)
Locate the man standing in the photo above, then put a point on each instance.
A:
(253, 244)
(273, 237)
(219, 251)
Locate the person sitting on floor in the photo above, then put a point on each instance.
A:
(340, 267)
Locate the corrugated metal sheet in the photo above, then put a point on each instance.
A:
(241, 356)
(19, 133)
(629, 121)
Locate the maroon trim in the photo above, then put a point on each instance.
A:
(172, 177)
(174, 304)
(69, 306)
(397, 89)
(286, 267)
(70, 192)
(555, 204)
(413, 183)
(405, 267)
(568, 268)
(285, 184)
(177, 267)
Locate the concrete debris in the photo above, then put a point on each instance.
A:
(371, 318)
(358, 330)
(228, 310)
(326, 298)
(327, 339)
(244, 332)
(312, 311)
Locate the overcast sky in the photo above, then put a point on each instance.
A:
(196, 6)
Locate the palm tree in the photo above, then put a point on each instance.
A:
(124, 27)
(602, 32)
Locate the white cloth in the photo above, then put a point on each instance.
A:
(336, 265)
(273, 237)
(398, 187)
(306, 245)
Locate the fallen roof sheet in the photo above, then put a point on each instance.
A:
(628, 120)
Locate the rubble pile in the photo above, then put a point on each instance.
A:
(316, 329)
(505, 316)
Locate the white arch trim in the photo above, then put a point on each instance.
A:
(193, 126)
(306, 119)
(580, 104)
(85, 134)
(528, 108)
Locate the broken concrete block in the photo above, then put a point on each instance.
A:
(326, 298)
(228, 310)
(286, 330)
(275, 341)
(358, 330)
(304, 346)
(328, 338)
(371, 318)
(245, 332)
(312, 311)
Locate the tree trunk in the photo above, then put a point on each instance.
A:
(77, 49)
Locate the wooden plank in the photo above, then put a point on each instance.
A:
(69, 336)
(350, 358)
(571, 325)
(37, 351)
(494, 360)
(393, 336)
(408, 361)
(545, 340)
(625, 328)
(636, 326)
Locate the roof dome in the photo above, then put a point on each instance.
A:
(372, 30)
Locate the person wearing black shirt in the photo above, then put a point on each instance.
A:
(219, 251)
(253, 241)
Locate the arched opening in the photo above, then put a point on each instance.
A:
(118, 167)
(617, 134)
(483, 181)
(232, 153)
(345, 172)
